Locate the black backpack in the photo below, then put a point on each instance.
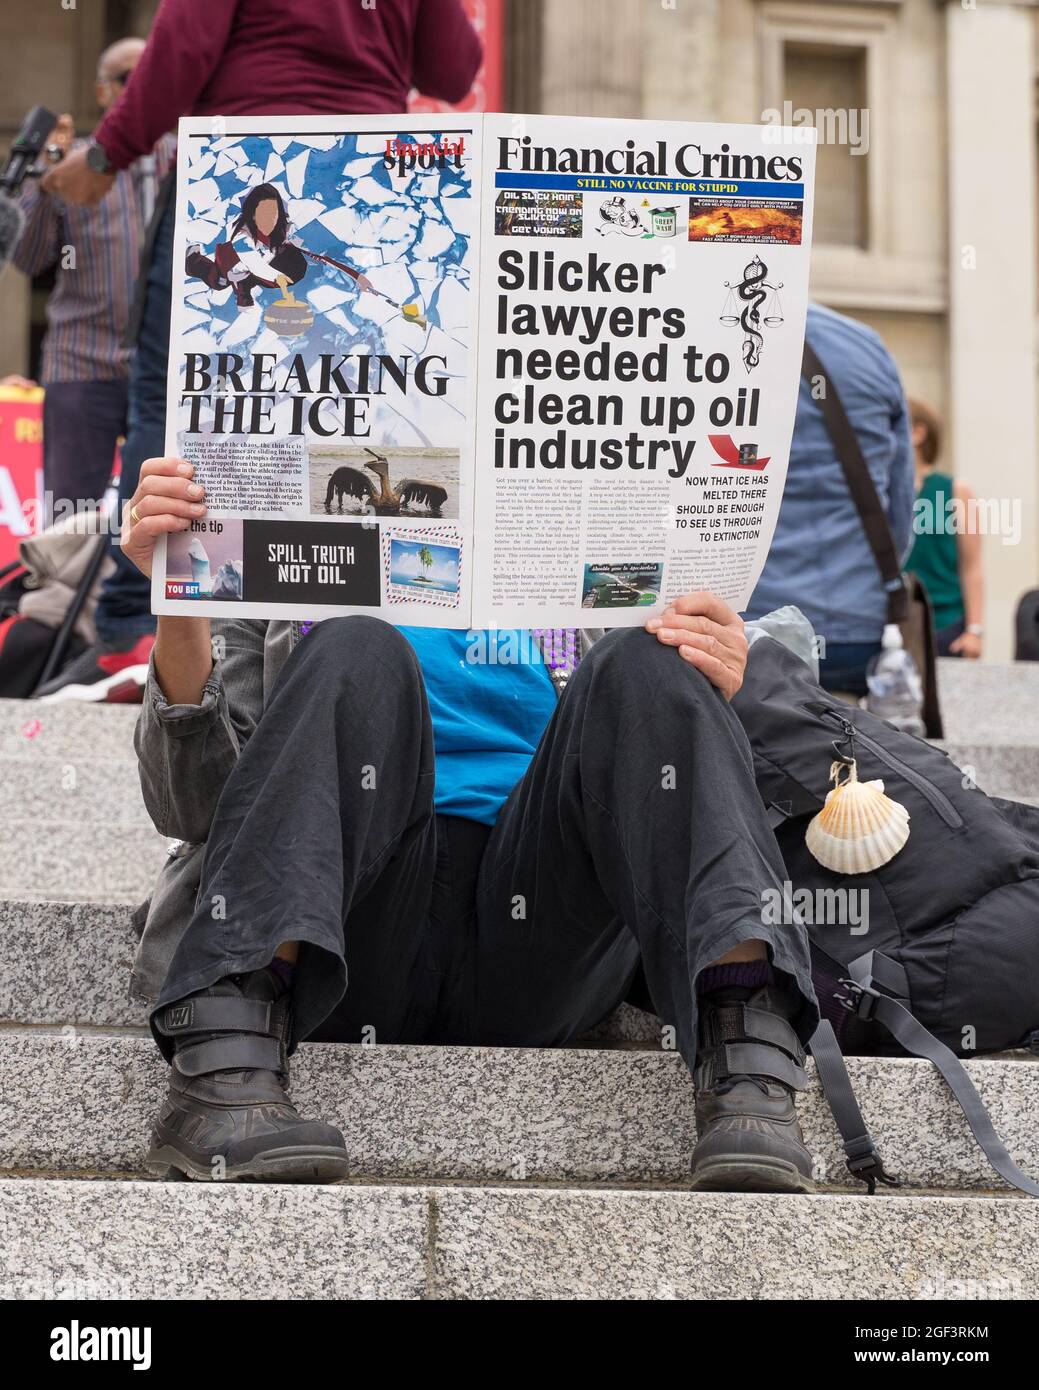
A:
(950, 961)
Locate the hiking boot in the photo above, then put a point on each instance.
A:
(227, 1115)
(749, 1067)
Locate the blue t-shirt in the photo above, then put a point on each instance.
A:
(490, 696)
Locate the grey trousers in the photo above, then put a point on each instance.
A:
(635, 839)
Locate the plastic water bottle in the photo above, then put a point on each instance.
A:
(896, 691)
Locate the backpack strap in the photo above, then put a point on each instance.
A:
(863, 999)
(864, 1162)
(861, 486)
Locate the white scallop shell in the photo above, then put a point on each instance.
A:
(859, 828)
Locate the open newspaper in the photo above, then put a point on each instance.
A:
(511, 371)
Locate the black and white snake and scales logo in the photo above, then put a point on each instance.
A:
(752, 292)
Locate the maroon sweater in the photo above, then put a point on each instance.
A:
(289, 57)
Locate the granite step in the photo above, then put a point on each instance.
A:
(980, 700)
(70, 962)
(983, 702)
(103, 1240)
(989, 701)
(42, 788)
(42, 785)
(106, 1239)
(1009, 769)
(67, 962)
(110, 852)
(69, 729)
(991, 717)
(87, 859)
(67, 789)
(78, 1101)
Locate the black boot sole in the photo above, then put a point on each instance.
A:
(739, 1173)
(314, 1165)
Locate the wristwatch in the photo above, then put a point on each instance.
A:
(975, 629)
(97, 159)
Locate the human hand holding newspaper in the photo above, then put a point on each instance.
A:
(166, 500)
(708, 634)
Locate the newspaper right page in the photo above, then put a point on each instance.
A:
(644, 286)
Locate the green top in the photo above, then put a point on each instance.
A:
(935, 557)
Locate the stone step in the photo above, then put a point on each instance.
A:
(70, 962)
(110, 853)
(1007, 769)
(56, 788)
(91, 860)
(980, 700)
(108, 1239)
(984, 703)
(67, 962)
(996, 743)
(69, 730)
(989, 701)
(61, 789)
(64, 789)
(101, 1240)
(78, 1101)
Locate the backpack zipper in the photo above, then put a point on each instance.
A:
(923, 785)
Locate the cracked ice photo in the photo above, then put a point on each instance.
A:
(315, 260)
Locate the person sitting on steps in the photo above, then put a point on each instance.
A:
(409, 837)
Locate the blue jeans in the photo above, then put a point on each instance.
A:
(844, 666)
(124, 607)
(82, 422)
(945, 636)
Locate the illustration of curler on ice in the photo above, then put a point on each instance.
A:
(263, 251)
(410, 311)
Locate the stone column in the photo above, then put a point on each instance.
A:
(14, 322)
(640, 58)
(590, 58)
(992, 285)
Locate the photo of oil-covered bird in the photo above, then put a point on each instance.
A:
(385, 500)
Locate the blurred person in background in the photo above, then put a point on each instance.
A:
(233, 58)
(95, 254)
(820, 558)
(946, 553)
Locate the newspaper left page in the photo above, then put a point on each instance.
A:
(324, 306)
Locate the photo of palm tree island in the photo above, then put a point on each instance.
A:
(424, 565)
